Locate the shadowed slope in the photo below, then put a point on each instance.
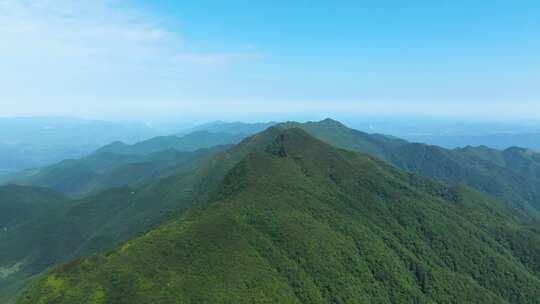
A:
(21, 206)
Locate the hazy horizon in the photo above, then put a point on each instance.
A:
(390, 125)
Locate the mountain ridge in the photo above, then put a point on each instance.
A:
(510, 183)
(188, 142)
(299, 221)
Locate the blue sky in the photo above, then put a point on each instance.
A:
(270, 59)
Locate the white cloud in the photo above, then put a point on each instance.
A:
(89, 27)
(97, 29)
(101, 51)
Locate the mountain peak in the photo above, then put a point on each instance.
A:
(515, 149)
(295, 141)
(330, 121)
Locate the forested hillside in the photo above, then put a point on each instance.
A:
(161, 186)
(105, 170)
(510, 175)
(303, 222)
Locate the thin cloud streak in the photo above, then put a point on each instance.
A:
(79, 56)
(99, 34)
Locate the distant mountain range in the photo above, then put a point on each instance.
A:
(104, 170)
(189, 142)
(34, 142)
(120, 164)
(497, 140)
(230, 127)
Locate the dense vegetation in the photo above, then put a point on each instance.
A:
(20, 206)
(298, 221)
(119, 164)
(163, 184)
(101, 221)
(104, 170)
(511, 175)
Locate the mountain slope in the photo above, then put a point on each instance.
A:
(189, 142)
(101, 221)
(520, 160)
(299, 221)
(119, 164)
(515, 181)
(19, 206)
(101, 171)
(232, 127)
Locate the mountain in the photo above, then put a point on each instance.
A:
(232, 127)
(106, 219)
(102, 221)
(453, 134)
(41, 141)
(104, 170)
(189, 142)
(479, 167)
(119, 164)
(499, 141)
(299, 221)
(520, 160)
(337, 134)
